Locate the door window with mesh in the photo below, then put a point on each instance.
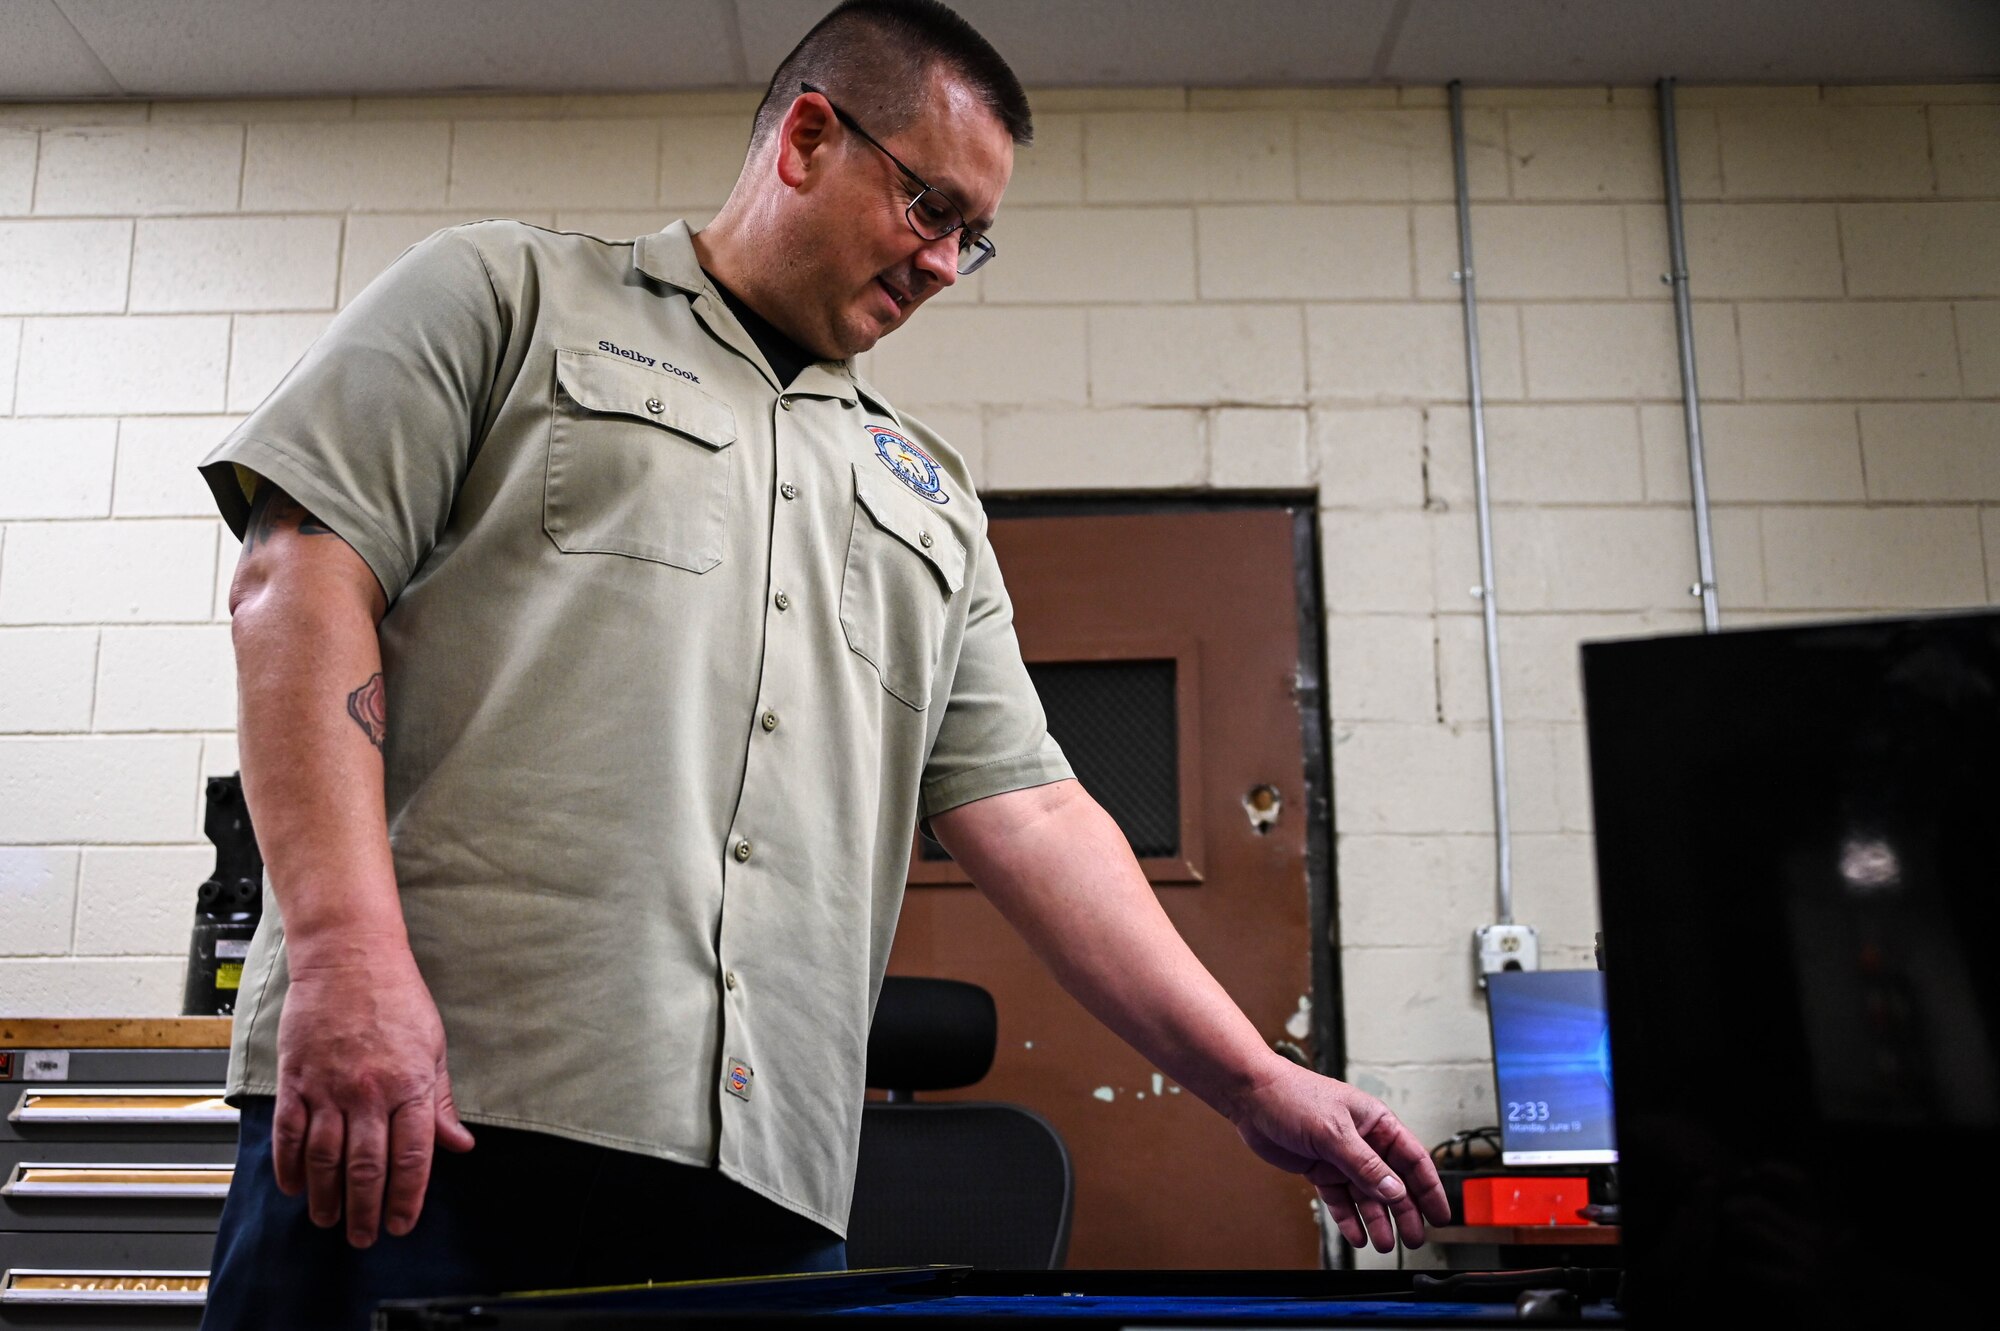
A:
(1120, 723)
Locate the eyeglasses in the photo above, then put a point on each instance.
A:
(931, 214)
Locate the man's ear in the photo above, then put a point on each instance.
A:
(803, 137)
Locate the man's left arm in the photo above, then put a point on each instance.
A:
(1061, 872)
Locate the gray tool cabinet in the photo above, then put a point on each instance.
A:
(115, 1152)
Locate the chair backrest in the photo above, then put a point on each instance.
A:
(968, 1183)
(930, 1035)
(952, 1182)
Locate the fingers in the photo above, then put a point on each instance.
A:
(1393, 1184)
(1339, 1203)
(412, 1130)
(1408, 1158)
(324, 1148)
(1352, 1154)
(288, 1144)
(1375, 1217)
(367, 1169)
(451, 1134)
(1376, 1178)
(1409, 1223)
(1362, 1220)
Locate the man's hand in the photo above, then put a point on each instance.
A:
(1061, 872)
(362, 1092)
(1371, 1172)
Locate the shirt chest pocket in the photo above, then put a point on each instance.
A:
(638, 464)
(902, 571)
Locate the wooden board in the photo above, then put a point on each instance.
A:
(114, 1032)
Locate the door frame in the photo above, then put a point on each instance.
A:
(1322, 869)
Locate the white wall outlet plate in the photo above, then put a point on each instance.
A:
(1505, 947)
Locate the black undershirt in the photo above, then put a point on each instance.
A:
(787, 357)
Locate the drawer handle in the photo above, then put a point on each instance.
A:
(158, 1288)
(203, 1182)
(93, 1104)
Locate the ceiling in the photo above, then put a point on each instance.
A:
(56, 49)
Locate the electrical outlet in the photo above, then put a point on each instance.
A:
(1505, 947)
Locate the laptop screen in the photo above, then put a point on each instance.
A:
(1551, 1067)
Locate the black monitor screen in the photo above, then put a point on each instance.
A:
(1551, 1067)
(1798, 849)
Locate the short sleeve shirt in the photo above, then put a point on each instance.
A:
(675, 658)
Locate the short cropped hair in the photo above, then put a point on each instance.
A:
(874, 58)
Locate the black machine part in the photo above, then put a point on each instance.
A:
(227, 905)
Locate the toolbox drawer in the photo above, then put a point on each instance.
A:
(173, 1095)
(52, 1108)
(80, 1192)
(36, 1261)
(217, 1150)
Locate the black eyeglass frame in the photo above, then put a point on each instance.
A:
(978, 249)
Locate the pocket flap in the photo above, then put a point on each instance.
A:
(601, 383)
(904, 521)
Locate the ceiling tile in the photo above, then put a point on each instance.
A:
(313, 47)
(1705, 41)
(1056, 43)
(43, 56)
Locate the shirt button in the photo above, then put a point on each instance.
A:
(742, 851)
(785, 402)
(924, 539)
(788, 490)
(770, 721)
(782, 601)
(729, 979)
(653, 405)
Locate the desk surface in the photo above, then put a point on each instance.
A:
(957, 1297)
(1539, 1236)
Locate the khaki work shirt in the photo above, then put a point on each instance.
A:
(675, 659)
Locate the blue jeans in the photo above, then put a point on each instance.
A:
(521, 1211)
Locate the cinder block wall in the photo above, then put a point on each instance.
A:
(1200, 290)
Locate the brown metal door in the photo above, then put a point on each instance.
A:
(1193, 617)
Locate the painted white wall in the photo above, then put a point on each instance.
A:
(1200, 291)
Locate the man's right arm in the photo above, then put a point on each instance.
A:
(363, 1093)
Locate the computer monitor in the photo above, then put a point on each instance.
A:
(1798, 859)
(1551, 1067)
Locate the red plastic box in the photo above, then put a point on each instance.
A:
(1526, 1201)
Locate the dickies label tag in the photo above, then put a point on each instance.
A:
(737, 1082)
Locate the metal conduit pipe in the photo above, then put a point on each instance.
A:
(1670, 160)
(1485, 591)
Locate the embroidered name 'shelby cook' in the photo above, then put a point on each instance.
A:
(616, 350)
(912, 466)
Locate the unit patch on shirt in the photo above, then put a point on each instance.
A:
(913, 467)
(738, 1081)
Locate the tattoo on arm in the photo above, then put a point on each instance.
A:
(370, 710)
(272, 510)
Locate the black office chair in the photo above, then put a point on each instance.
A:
(951, 1182)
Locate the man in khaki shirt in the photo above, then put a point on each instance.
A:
(601, 638)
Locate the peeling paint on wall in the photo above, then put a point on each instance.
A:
(1299, 1024)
